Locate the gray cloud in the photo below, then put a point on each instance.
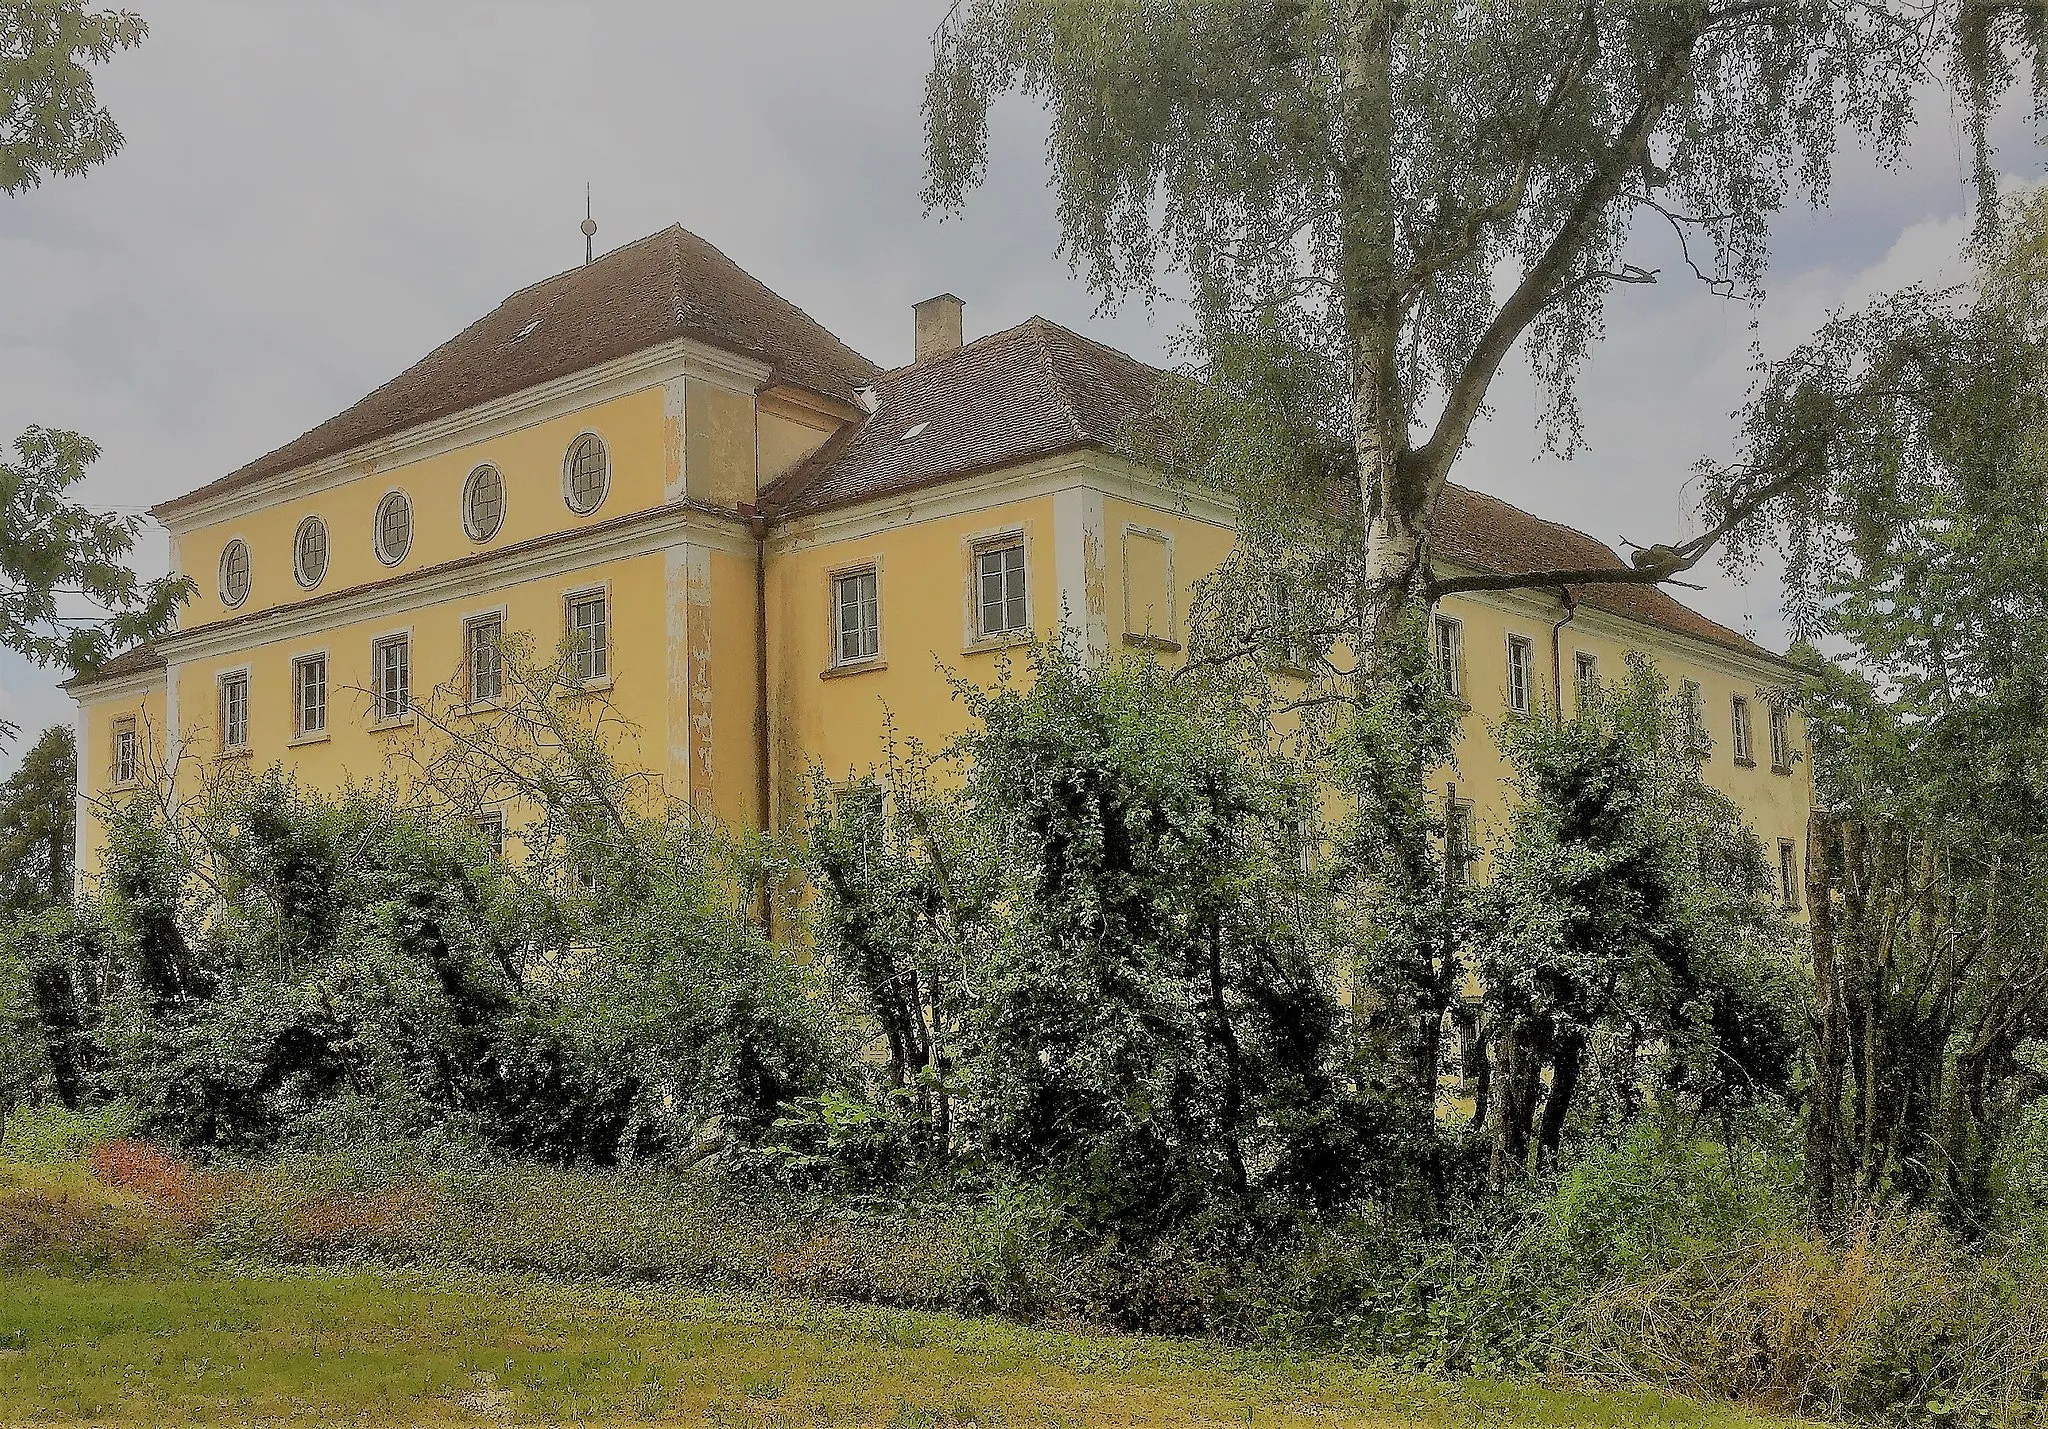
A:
(313, 196)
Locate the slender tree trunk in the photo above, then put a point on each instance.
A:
(1372, 312)
(1566, 1058)
(1828, 1047)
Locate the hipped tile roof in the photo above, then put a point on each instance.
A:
(666, 286)
(1038, 389)
(135, 660)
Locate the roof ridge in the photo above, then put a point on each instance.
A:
(575, 268)
(1056, 377)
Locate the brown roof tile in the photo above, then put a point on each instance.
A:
(669, 285)
(1038, 389)
(136, 660)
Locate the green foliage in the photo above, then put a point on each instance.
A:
(1628, 918)
(282, 967)
(38, 813)
(53, 122)
(52, 547)
(1099, 955)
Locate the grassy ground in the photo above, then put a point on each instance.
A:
(108, 1315)
(199, 1345)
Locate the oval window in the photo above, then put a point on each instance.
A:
(309, 552)
(483, 503)
(394, 528)
(586, 474)
(234, 573)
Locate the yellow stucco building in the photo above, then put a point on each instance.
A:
(757, 541)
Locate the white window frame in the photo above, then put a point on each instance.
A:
(600, 679)
(470, 623)
(249, 573)
(1521, 677)
(299, 573)
(469, 526)
(221, 680)
(1693, 697)
(1789, 876)
(988, 544)
(840, 660)
(1741, 734)
(383, 554)
(1461, 842)
(378, 644)
(1448, 630)
(125, 763)
(490, 827)
(300, 733)
(1585, 677)
(604, 489)
(1781, 739)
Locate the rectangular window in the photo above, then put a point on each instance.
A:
(234, 710)
(481, 642)
(999, 576)
(124, 751)
(1448, 638)
(1585, 678)
(1695, 714)
(1781, 740)
(856, 617)
(1521, 667)
(309, 695)
(490, 827)
(1458, 848)
(1739, 735)
(392, 661)
(589, 636)
(1788, 872)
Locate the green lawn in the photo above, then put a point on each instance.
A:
(199, 1345)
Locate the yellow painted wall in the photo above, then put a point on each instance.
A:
(96, 756)
(353, 748)
(530, 460)
(832, 718)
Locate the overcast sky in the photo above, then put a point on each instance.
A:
(313, 196)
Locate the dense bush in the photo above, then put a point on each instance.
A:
(274, 967)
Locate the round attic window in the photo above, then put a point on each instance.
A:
(234, 573)
(309, 552)
(483, 503)
(393, 535)
(586, 474)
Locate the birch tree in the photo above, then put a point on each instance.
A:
(1373, 203)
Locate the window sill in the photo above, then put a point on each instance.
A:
(575, 687)
(988, 644)
(318, 736)
(122, 786)
(1741, 763)
(240, 751)
(1152, 642)
(386, 726)
(1781, 769)
(480, 707)
(852, 667)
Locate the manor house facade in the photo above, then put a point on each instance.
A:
(754, 541)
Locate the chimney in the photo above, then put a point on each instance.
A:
(937, 321)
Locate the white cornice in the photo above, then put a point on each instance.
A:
(655, 531)
(1541, 604)
(1112, 476)
(141, 682)
(528, 407)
